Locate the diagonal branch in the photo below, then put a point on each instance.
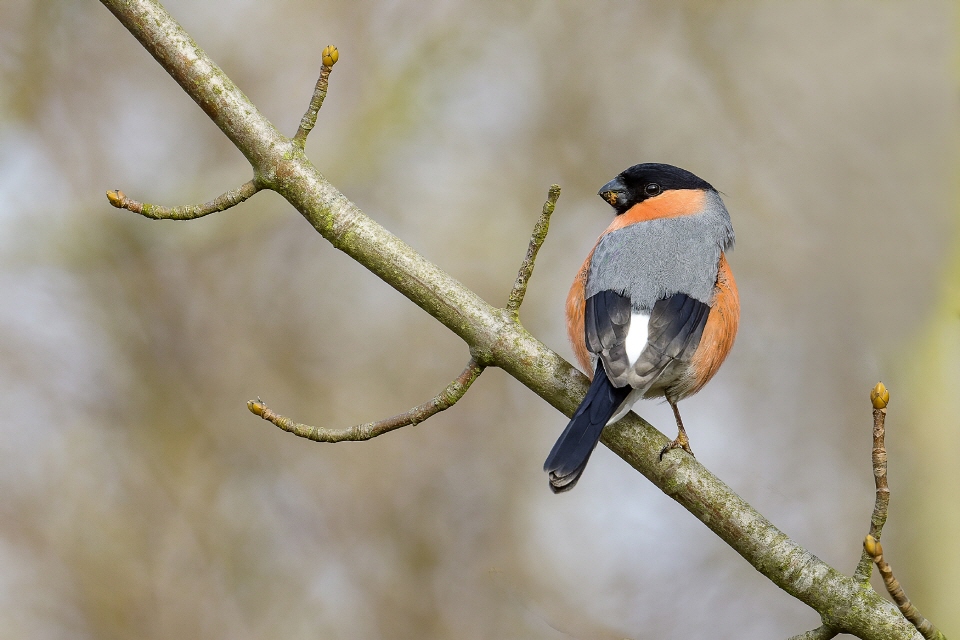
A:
(329, 58)
(186, 212)
(536, 241)
(496, 337)
(443, 400)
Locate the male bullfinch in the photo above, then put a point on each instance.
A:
(653, 310)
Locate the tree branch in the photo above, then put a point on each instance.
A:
(496, 337)
(186, 212)
(443, 400)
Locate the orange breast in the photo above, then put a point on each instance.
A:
(720, 330)
(576, 304)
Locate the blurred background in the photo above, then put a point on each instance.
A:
(141, 499)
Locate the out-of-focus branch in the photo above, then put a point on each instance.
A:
(874, 549)
(496, 337)
(329, 56)
(536, 241)
(443, 400)
(186, 212)
(879, 397)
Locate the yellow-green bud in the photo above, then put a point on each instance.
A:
(879, 396)
(330, 55)
(255, 406)
(116, 198)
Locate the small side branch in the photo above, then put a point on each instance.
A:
(329, 57)
(187, 212)
(873, 548)
(536, 241)
(879, 397)
(444, 400)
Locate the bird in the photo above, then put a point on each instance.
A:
(653, 311)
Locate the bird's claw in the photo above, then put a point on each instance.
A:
(680, 443)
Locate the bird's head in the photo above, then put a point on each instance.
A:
(645, 181)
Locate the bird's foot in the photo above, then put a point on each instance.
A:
(682, 442)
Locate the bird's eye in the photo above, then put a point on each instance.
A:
(652, 189)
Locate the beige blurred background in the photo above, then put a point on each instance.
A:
(141, 499)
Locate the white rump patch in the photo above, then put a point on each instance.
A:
(637, 335)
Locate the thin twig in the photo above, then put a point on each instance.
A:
(444, 400)
(822, 632)
(330, 56)
(187, 212)
(536, 241)
(879, 397)
(874, 549)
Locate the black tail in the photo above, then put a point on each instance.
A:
(570, 454)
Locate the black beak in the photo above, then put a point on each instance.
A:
(614, 192)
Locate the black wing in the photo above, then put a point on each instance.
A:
(673, 334)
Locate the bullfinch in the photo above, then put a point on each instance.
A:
(654, 309)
